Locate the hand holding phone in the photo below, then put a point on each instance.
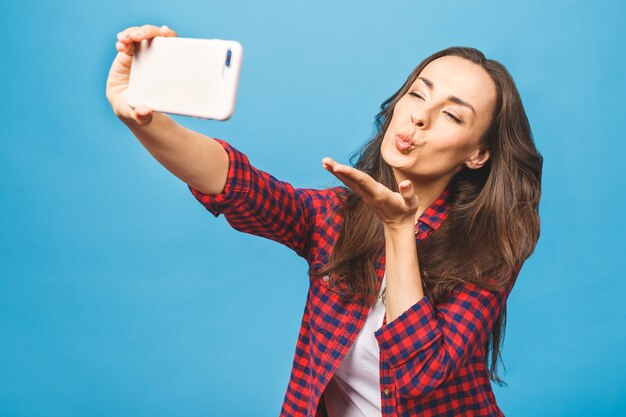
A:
(186, 76)
(117, 86)
(119, 73)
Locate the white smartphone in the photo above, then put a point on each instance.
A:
(186, 76)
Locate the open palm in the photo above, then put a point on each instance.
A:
(392, 208)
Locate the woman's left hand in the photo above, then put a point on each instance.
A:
(395, 209)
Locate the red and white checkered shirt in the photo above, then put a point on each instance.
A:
(431, 356)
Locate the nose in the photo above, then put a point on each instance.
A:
(419, 118)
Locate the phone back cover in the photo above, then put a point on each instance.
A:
(186, 76)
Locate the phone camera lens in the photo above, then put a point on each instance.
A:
(228, 55)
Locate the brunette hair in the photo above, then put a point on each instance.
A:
(493, 223)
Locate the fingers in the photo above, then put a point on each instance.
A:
(356, 180)
(328, 163)
(354, 174)
(339, 170)
(166, 31)
(335, 169)
(127, 38)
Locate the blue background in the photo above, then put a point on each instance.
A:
(121, 295)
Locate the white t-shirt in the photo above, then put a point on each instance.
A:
(354, 390)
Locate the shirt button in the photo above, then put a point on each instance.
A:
(387, 393)
(325, 278)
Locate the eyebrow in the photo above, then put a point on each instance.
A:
(453, 99)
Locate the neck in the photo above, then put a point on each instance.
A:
(426, 189)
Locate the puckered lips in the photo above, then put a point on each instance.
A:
(404, 142)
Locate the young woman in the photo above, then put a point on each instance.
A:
(411, 262)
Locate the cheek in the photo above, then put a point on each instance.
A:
(401, 113)
(452, 150)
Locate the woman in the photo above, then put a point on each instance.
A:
(412, 262)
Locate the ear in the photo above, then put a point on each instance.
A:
(478, 158)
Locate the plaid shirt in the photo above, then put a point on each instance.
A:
(431, 356)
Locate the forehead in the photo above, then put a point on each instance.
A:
(452, 75)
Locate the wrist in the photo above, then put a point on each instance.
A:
(406, 227)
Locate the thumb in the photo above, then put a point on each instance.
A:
(143, 115)
(408, 194)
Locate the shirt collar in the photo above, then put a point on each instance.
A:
(434, 215)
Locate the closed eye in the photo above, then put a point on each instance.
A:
(456, 119)
(453, 117)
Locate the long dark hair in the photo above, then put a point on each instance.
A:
(496, 205)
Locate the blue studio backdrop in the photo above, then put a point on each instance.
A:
(121, 295)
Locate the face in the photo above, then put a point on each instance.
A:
(436, 127)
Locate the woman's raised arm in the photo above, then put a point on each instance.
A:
(196, 159)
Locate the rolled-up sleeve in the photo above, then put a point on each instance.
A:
(424, 346)
(238, 183)
(257, 203)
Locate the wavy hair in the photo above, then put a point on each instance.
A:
(496, 205)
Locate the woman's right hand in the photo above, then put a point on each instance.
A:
(117, 82)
